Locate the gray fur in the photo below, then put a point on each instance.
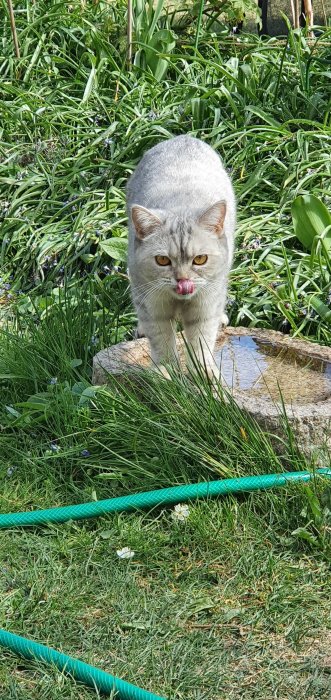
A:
(177, 181)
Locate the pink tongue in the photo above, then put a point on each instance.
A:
(185, 287)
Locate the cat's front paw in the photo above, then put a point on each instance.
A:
(162, 370)
(213, 371)
(138, 332)
(224, 320)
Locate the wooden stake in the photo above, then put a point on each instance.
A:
(309, 13)
(293, 13)
(13, 28)
(324, 12)
(296, 14)
(129, 30)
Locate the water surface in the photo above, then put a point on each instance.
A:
(264, 369)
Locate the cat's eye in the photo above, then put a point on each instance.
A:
(200, 259)
(163, 260)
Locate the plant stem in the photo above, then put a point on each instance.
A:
(13, 28)
(196, 43)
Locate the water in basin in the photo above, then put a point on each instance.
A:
(265, 369)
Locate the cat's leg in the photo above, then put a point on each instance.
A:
(201, 336)
(161, 333)
(139, 332)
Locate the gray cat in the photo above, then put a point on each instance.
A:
(182, 215)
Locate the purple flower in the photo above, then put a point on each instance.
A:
(85, 453)
(11, 470)
(230, 302)
(255, 244)
(54, 447)
(302, 312)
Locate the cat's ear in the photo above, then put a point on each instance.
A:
(144, 221)
(213, 218)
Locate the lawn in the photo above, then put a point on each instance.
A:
(233, 601)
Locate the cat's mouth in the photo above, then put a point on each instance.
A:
(185, 287)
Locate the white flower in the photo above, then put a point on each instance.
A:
(180, 512)
(125, 553)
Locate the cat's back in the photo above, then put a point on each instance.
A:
(177, 173)
(183, 148)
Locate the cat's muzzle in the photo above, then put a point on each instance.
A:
(185, 287)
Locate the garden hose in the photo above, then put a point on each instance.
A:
(93, 677)
(160, 497)
(90, 676)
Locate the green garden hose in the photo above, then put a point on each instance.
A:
(93, 677)
(161, 497)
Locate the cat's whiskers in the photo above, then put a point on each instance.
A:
(141, 298)
(212, 292)
(148, 285)
(154, 288)
(199, 283)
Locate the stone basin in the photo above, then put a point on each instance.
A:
(262, 369)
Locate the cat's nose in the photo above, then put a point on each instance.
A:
(185, 286)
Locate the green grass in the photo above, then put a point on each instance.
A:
(231, 603)
(234, 602)
(223, 605)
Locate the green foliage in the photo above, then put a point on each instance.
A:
(152, 41)
(312, 227)
(317, 516)
(141, 432)
(116, 248)
(236, 10)
(72, 133)
(312, 223)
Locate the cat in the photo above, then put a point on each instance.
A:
(182, 214)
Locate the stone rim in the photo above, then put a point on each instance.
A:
(133, 355)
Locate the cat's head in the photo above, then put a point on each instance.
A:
(183, 252)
